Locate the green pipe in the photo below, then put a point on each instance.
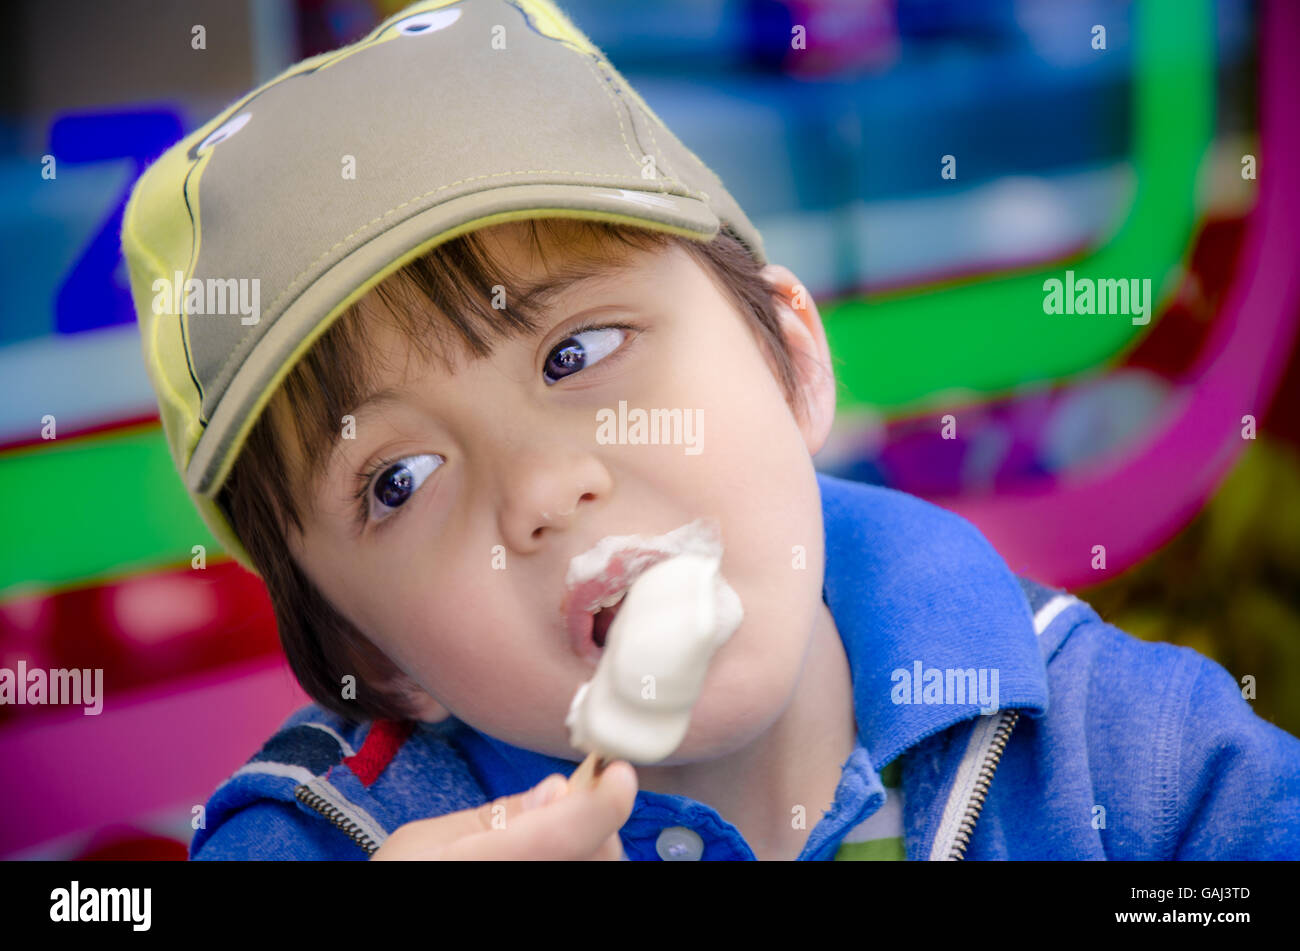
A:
(903, 351)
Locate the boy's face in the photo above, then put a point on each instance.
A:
(458, 575)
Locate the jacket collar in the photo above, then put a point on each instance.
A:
(910, 584)
(907, 583)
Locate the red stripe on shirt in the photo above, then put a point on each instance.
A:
(382, 743)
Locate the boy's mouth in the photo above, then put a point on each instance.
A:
(598, 579)
(603, 619)
(591, 606)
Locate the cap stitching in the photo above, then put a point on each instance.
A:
(151, 348)
(673, 179)
(651, 121)
(650, 127)
(603, 84)
(240, 348)
(196, 234)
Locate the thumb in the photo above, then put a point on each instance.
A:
(548, 790)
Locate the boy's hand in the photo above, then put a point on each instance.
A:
(574, 824)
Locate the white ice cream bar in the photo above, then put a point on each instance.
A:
(657, 652)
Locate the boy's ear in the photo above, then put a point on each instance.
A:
(801, 325)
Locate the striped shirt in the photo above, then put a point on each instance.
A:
(879, 837)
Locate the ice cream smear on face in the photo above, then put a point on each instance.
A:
(672, 620)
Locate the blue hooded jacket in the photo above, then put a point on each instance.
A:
(1102, 747)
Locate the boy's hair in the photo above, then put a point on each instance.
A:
(262, 497)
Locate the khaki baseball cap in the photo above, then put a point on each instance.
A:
(246, 239)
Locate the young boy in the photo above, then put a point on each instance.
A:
(466, 246)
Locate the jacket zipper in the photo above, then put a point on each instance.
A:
(981, 788)
(354, 832)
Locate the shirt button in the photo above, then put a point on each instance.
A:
(679, 844)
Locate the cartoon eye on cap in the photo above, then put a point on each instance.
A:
(224, 131)
(429, 22)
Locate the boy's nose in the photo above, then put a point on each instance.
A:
(544, 492)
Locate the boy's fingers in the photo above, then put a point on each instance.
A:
(575, 826)
(499, 813)
(423, 837)
(566, 831)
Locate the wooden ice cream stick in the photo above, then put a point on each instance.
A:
(588, 772)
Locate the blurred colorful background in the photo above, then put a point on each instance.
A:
(922, 165)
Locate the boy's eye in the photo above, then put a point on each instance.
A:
(580, 350)
(396, 483)
(429, 22)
